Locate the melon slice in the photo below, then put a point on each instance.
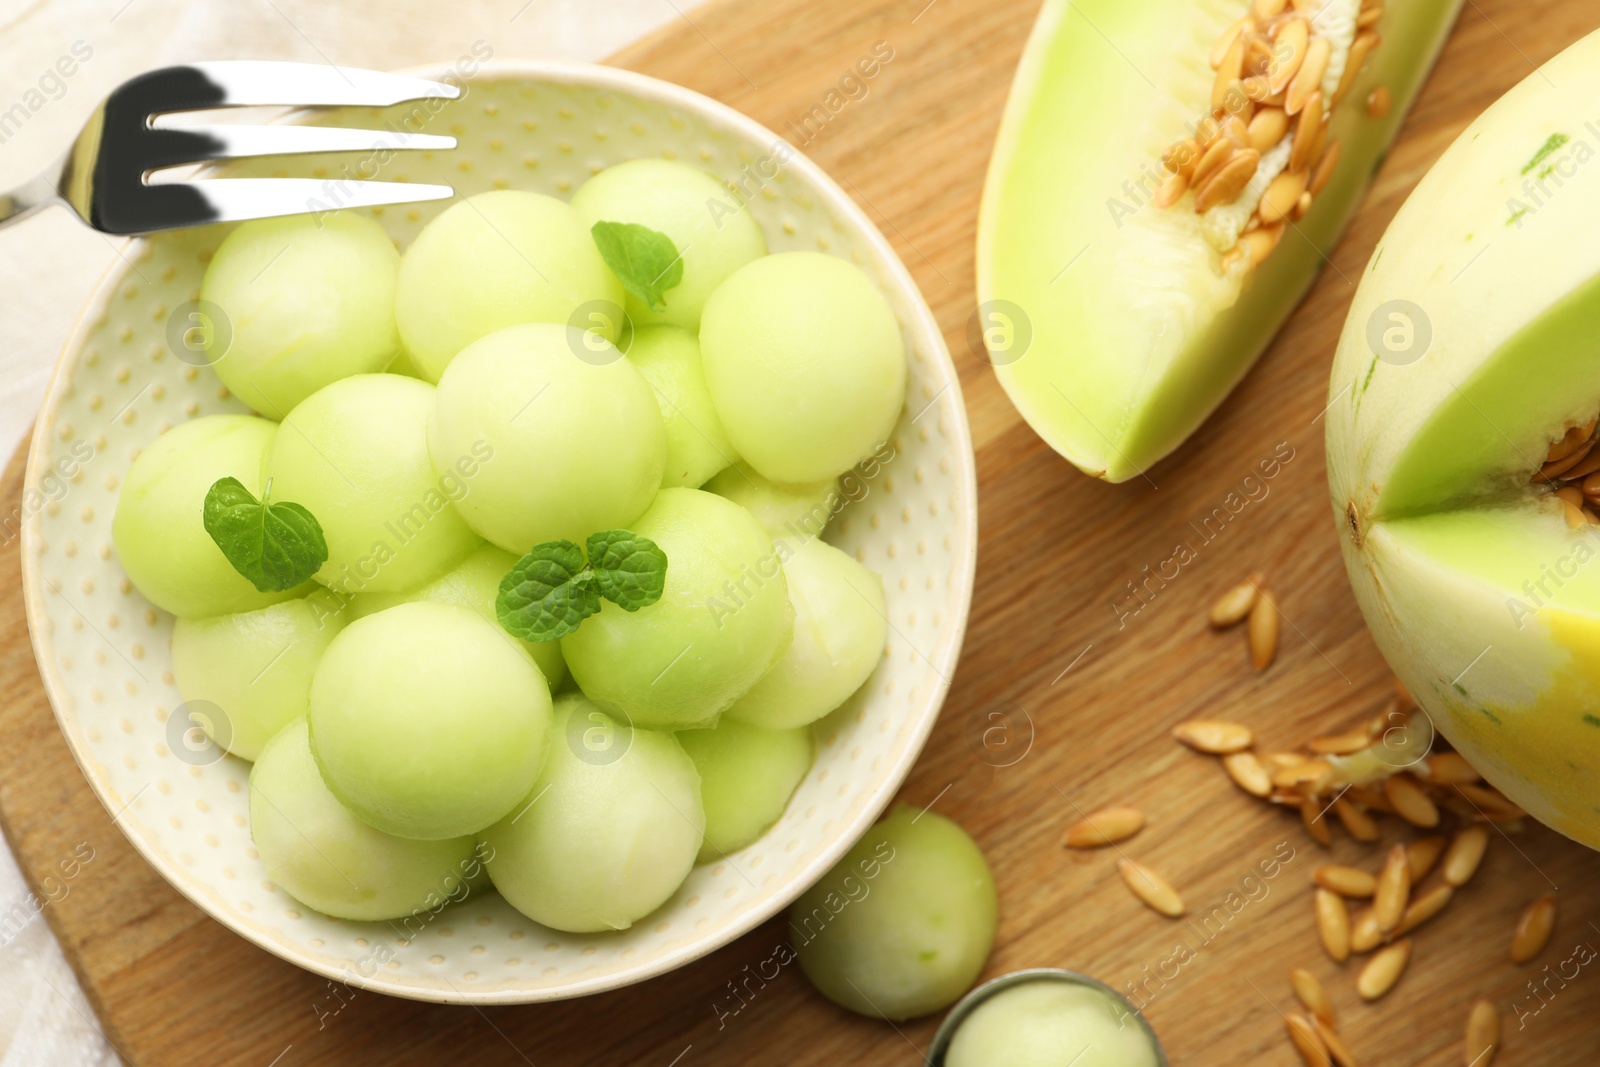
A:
(1116, 325)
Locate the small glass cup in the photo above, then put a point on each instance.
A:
(969, 1003)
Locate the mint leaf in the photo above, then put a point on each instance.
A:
(547, 593)
(551, 590)
(646, 262)
(275, 545)
(631, 570)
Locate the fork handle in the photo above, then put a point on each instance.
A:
(27, 199)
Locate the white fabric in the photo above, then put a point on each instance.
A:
(50, 262)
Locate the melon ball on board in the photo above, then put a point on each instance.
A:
(712, 231)
(840, 627)
(319, 853)
(495, 260)
(697, 446)
(158, 533)
(473, 583)
(254, 666)
(805, 362)
(609, 831)
(903, 923)
(578, 444)
(426, 723)
(356, 455)
(747, 775)
(723, 619)
(306, 301)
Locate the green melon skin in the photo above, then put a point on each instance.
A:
(158, 532)
(902, 925)
(747, 775)
(1482, 600)
(256, 666)
(326, 858)
(1136, 334)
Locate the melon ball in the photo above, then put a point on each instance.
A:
(722, 620)
(473, 583)
(326, 858)
(255, 666)
(697, 446)
(496, 260)
(604, 837)
(805, 362)
(747, 775)
(578, 446)
(158, 531)
(356, 455)
(426, 723)
(903, 923)
(840, 627)
(712, 231)
(308, 301)
(797, 510)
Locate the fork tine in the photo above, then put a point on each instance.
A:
(247, 83)
(238, 199)
(195, 144)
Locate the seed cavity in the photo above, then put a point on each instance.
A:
(1274, 73)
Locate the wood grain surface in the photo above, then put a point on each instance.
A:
(1086, 681)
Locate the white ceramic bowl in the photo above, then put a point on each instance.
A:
(104, 651)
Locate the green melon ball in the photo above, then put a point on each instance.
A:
(308, 301)
(578, 446)
(746, 778)
(607, 834)
(326, 858)
(158, 532)
(840, 626)
(714, 235)
(473, 583)
(256, 666)
(723, 619)
(697, 446)
(426, 723)
(805, 362)
(797, 510)
(496, 260)
(356, 455)
(903, 923)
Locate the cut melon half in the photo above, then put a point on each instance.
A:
(1449, 456)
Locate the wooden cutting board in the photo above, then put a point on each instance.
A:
(1089, 698)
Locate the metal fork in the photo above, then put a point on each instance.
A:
(106, 176)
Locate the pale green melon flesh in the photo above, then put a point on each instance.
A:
(1488, 435)
(1137, 333)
